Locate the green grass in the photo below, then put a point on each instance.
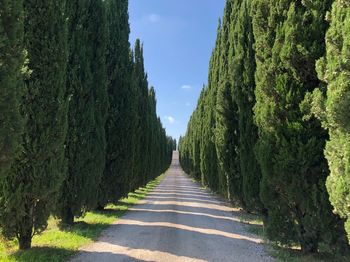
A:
(57, 244)
(254, 221)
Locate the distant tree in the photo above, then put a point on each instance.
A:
(206, 124)
(208, 156)
(141, 87)
(174, 144)
(138, 149)
(31, 188)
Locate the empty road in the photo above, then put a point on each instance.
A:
(178, 221)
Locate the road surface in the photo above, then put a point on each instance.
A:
(178, 221)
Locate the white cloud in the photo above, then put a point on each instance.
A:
(187, 87)
(170, 119)
(153, 18)
(188, 104)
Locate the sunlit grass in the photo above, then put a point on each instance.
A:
(57, 244)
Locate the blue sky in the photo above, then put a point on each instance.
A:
(178, 38)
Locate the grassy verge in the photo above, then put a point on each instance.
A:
(55, 244)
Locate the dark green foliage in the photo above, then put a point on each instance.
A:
(11, 80)
(219, 144)
(208, 157)
(289, 39)
(153, 150)
(331, 105)
(227, 129)
(120, 126)
(174, 142)
(191, 145)
(197, 150)
(137, 147)
(269, 154)
(31, 188)
(243, 79)
(337, 108)
(88, 103)
(84, 132)
(141, 85)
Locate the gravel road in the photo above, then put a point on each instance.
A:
(178, 221)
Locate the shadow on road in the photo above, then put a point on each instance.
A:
(178, 221)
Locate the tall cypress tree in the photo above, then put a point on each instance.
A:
(217, 76)
(338, 101)
(154, 149)
(11, 81)
(147, 123)
(195, 143)
(120, 126)
(242, 72)
(141, 87)
(331, 104)
(208, 155)
(32, 186)
(227, 134)
(86, 88)
(289, 39)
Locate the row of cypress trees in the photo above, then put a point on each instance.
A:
(269, 119)
(78, 122)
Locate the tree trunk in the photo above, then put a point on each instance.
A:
(25, 238)
(68, 217)
(308, 244)
(100, 207)
(25, 233)
(308, 247)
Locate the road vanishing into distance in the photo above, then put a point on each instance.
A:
(178, 221)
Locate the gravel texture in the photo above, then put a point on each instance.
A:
(178, 221)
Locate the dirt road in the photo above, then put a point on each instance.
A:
(178, 221)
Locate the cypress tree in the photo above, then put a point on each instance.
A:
(210, 173)
(195, 136)
(158, 161)
(11, 81)
(289, 39)
(31, 187)
(242, 70)
(121, 122)
(154, 149)
(86, 88)
(190, 144)
(174, 143)
(338, 97)
(227, 135)
(195, 143)
(331, 105)
(208, 157)
(141, 88)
